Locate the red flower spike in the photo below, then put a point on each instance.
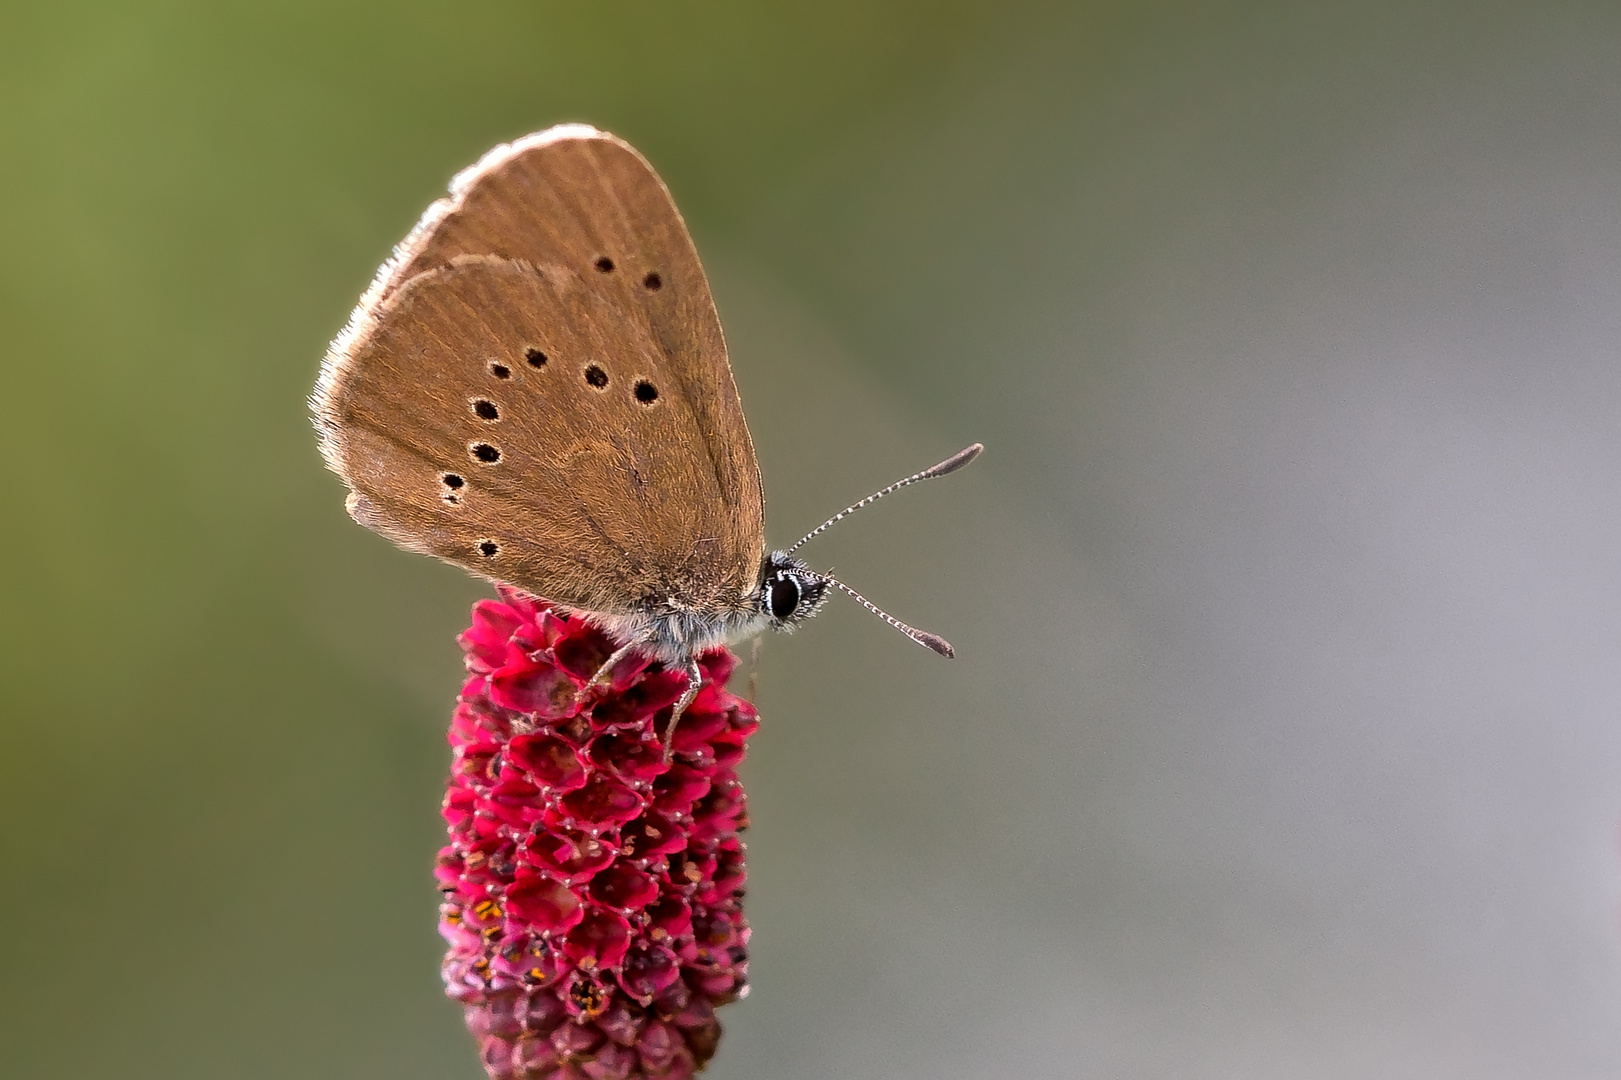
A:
(697, 731)
(572, 857)
(496, 1054)
(669, 919)
(543, 903)
(579, 860)
(659, 1042)
(541, 690)
(485, 642)
(624, 887)
(514, 802)
(602, 801)
(550, 761)
(612, 1062)
(631, 708)
(534, 1057)
(599, 942)
(647, 971)
(630, 759)
(651, 835)
(582, 654)
(680, 787)
(460, 806)
(576, 1041)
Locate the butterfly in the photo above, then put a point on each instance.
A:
(535, 388)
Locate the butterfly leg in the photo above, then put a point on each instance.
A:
(608, 665)
(695, 679)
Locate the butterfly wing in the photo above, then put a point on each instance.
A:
(624, 470)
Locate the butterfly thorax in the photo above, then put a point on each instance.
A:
(673, 629)
(674, 636)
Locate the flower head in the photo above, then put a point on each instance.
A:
(593, 889)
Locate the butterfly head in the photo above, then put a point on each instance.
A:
(790, 591)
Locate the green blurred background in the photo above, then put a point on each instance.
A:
(1284, 736)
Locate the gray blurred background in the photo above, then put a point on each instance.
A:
(1283, 739)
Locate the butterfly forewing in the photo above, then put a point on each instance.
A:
(536, 388)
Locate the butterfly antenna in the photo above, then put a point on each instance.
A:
(922, 637)
(949, 465)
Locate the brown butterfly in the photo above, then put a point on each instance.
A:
(535, 388)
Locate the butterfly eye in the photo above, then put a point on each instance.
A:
(784, 596)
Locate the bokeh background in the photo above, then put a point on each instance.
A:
(1285, 734)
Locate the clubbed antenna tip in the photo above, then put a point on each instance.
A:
(930, 641)
(953, 463)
